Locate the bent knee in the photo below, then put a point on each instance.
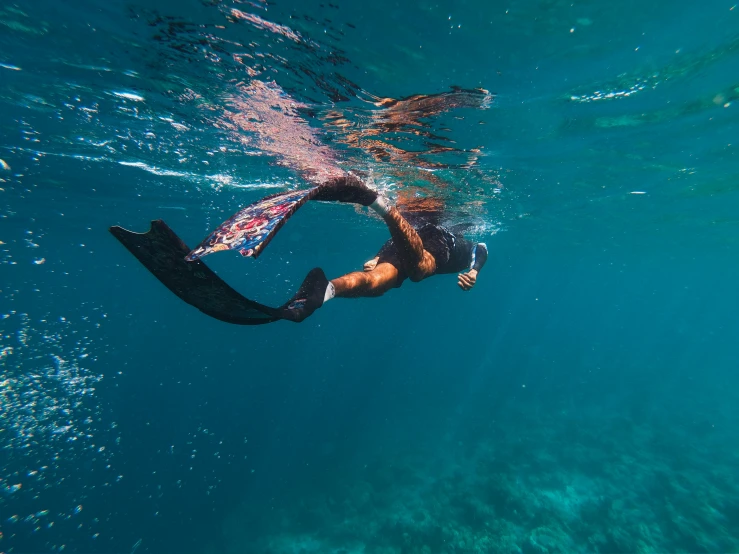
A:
(380, 284)
(376, 282)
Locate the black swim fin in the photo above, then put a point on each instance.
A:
(163, 253)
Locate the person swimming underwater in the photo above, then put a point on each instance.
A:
(411, 253)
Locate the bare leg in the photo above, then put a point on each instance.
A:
(367, 283)
(418, 263)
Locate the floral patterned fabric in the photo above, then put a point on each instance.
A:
(250, 230)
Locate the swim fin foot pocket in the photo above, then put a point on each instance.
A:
(349, 189)
(308, 298)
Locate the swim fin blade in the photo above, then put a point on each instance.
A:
(250, 230)
(163, 253)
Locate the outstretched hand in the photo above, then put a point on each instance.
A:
(467, 280)
(372, 264)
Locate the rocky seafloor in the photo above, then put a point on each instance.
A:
(534, 485)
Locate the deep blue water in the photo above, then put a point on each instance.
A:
(582, 398)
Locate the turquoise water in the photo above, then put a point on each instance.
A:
(582, 398)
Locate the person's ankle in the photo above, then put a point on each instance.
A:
(381, 206)
(330, 292)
